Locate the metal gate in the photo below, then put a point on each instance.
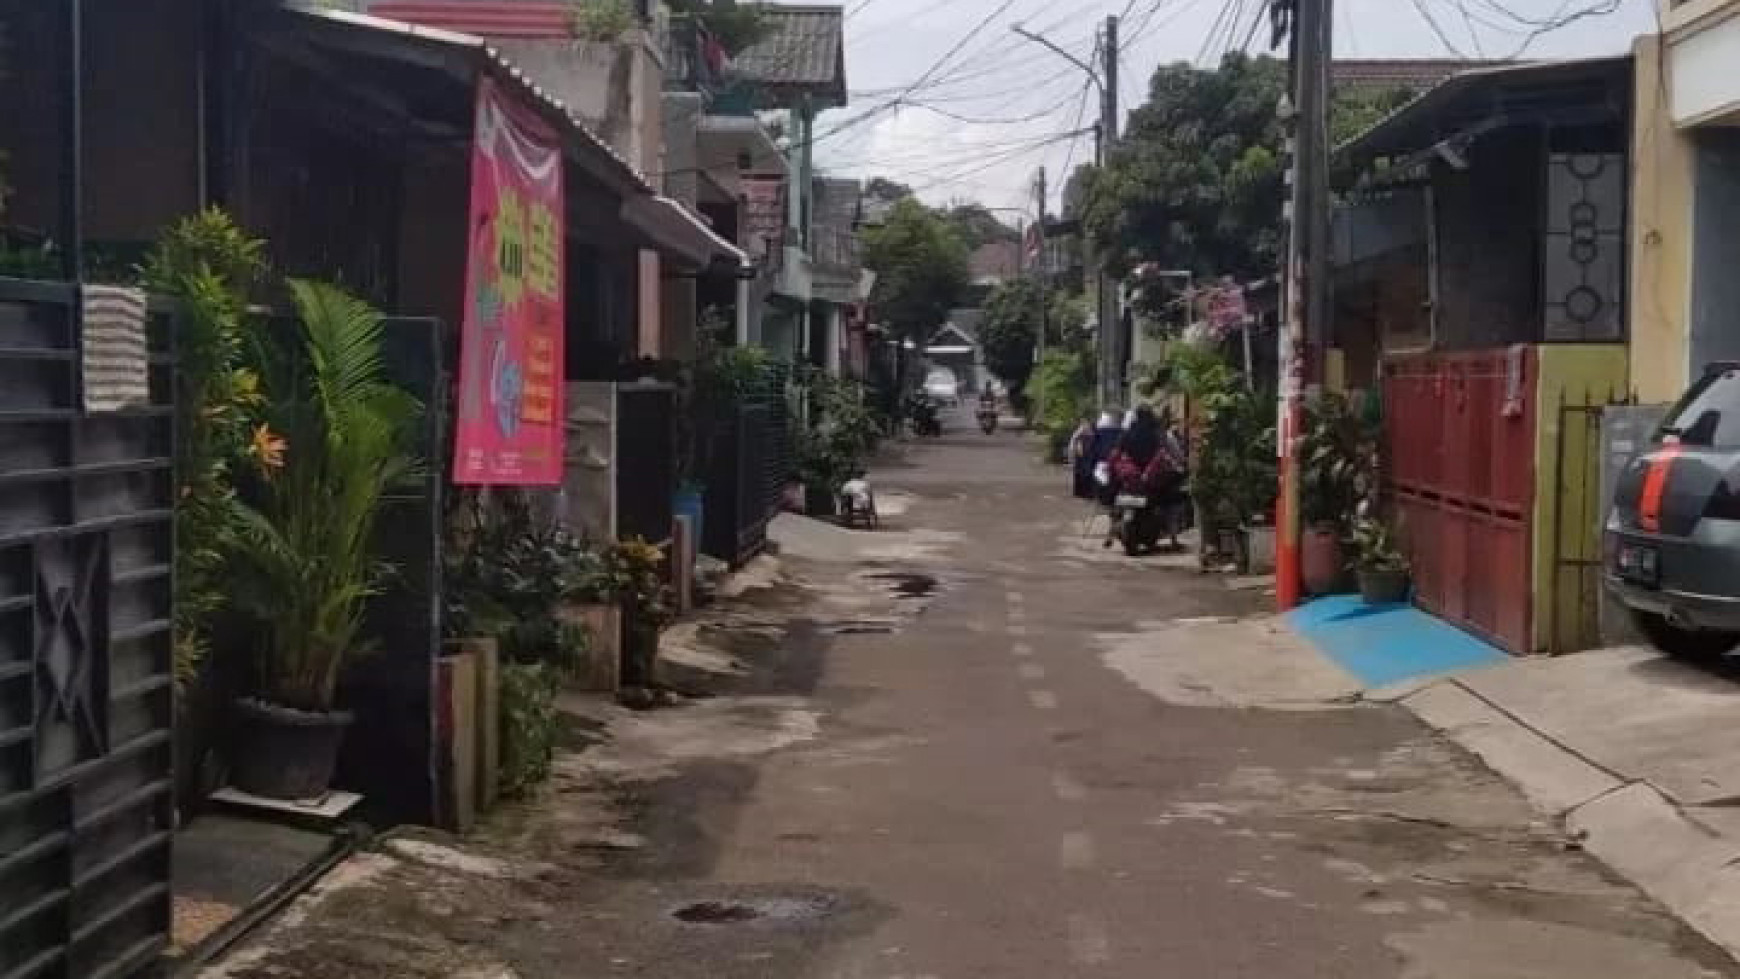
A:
(86, 693)
(1459, 442)
(747, 472)
(646, 474)
(1579, 510)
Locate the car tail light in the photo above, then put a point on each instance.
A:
(1724, 502)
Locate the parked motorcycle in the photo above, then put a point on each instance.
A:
(923, 415)
(1138, 521)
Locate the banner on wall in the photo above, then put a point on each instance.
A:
(510, 418)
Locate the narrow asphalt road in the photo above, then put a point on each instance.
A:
(966, 748)
(1019, 809)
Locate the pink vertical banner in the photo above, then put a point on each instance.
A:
(510, 418)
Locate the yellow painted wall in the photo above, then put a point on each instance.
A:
(1566, 517)
(1661, 236)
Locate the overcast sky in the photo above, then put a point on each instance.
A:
(996, 110)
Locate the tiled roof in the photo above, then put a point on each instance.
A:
(837, 202)
(997, 260)
(1412, 73)
(804, 49)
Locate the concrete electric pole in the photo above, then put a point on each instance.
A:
(1307, 295)
(1043, 280)
(1113, 343)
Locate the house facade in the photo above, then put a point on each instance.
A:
(1684, 297)
(1480, 286)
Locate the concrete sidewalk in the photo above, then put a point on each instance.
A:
(1637, 755)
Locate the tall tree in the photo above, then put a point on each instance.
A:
(1010, 330)
(1014, 313)
(921, 269)
(1196, 183)
(977, 226)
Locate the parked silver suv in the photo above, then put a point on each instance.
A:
(1672, 547)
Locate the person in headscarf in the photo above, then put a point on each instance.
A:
(1146, 461)
(1081, 443)
(1107, 433)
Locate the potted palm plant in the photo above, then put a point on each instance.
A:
(334, 441)
(1379, 563)
(1333, 480)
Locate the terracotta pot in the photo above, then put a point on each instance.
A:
(1320, 560)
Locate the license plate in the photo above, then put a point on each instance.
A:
(1639, 564)
(1135, 502)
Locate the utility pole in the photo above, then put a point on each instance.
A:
(1307, 293)
(1044, 283)
(1113, 342)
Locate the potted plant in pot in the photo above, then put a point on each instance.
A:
(634, 570)
(333, 442)
(1380, 565)
(1333, 449)
(822, 467)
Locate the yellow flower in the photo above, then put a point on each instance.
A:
(268, 448)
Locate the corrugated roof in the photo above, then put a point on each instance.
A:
(1414, 73)
(804, 49)
(486, 18)
(489, 59)
(1468, 96)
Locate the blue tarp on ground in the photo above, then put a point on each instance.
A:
(1386, 644)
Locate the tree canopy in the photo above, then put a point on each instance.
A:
(1010, 330)
(921, 268)
(1196, 183)
(977, 226)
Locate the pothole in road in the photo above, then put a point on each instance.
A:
(715, 913)
(861, 629)
(906, 585)
(744, 911)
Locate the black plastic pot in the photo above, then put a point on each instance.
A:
(1383, 587)
(820, 502)
(284, 753)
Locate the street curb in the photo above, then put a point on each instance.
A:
(1628, 825)
(1643, 836)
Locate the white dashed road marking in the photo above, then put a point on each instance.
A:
(1076, 851)
(1067, 789)
(1017, 629)
(1043, 699)
(1016, 598)
(1022, 649)
(1088, 943)
(1031, 671)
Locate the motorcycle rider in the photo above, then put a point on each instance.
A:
(987, 413)
(1148, 462)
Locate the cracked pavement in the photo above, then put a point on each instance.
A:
(1017, 757)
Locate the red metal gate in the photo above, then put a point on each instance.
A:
(1459, 440)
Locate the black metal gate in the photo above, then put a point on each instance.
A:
(747, 470)
(86, 689)
(390, 754)
(646, 474)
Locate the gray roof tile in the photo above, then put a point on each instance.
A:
(804, 48)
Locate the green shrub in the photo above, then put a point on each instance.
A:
(508, 576)
(1063, 389)
(529, 724)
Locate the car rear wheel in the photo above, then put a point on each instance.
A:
(1683, 643)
